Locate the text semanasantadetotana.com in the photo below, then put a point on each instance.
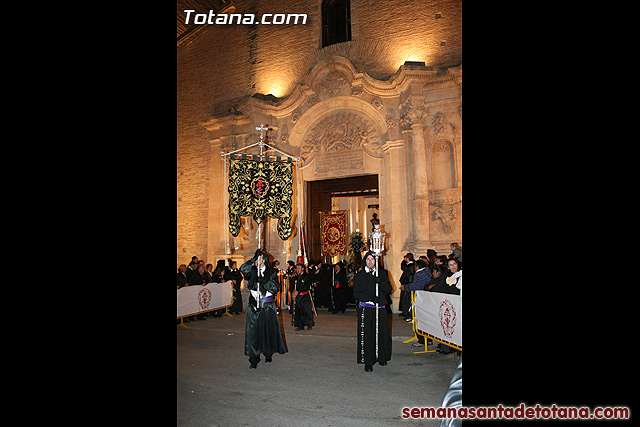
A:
(520, 412)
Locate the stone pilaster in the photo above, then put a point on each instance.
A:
(412, 119)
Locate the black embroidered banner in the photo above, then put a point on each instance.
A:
(261, 189)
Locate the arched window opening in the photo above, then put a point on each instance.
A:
(336, 21)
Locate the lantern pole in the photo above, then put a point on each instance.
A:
(377, 246)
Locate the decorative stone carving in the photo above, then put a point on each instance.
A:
(444, 214)
(405, 121)
(439, 123)
(391, 123)
(341, 131)
(376, 103)
(410, 115)
(441, 146)
(356, 91)
(333, 82)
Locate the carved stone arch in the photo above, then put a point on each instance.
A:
(352, 111)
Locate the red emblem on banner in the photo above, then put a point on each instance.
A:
(204, 298)
(448, 318)
(334, 233)
(259, 187)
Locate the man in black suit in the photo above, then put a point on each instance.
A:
(191, 269)
(181, 276)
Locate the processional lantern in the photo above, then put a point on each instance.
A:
(376, 240)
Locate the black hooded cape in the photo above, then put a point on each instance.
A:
(364, 290)
(262, 330)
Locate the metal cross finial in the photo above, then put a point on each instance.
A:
(262, 128)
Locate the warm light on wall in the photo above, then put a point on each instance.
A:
(271, 85)
(274, 81)
(413, 58)
(276, 90)
(414, 53)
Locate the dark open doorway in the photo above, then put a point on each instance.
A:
(319, 194)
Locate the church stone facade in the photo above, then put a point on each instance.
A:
(343, 108)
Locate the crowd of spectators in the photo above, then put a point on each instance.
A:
(430, 273)
(332, 284)
(197, 273)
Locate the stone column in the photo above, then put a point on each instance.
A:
(412, 119)
(394, 206)
(420, 188)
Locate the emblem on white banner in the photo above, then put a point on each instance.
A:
(204, 298)
(448, 318)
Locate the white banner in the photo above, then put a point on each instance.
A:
(439, 315)
(195, 299)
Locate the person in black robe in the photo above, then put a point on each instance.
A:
(408, 268)
(291, 271)
(323, 278)
(339, 289)
(364, 290)
(262, 331)
(220, 275)
(236, 278)
(302, 310)
(198, 278)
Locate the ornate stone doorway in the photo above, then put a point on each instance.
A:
(319, 194)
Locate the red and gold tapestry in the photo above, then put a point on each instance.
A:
(334, 233)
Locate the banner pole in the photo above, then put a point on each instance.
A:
(376, 308)
(261, 128)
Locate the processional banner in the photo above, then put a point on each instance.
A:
(439, 315)
(334, 233)
(261, 188)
